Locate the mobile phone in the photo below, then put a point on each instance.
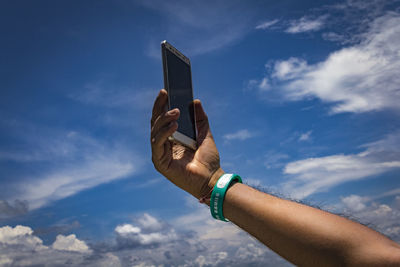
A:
(178, 83)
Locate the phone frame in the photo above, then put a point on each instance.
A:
(178, 136)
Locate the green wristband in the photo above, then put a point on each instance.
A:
(218, 194)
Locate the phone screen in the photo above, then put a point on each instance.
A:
(181, 93)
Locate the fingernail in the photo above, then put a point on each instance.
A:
(153, 140)
(172, 112)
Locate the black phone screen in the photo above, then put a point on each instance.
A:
(180, 93)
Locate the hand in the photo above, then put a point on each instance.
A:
(194, 171)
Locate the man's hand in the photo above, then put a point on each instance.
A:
(194, 171)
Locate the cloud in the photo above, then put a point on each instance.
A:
(198, 240)
(354, 202)
(312, 175)
(389, 193)
(193, 239)
(148, 231)
(382, 217)
(306, 24)
(150, 223)
(223, 243)
(20, 235)
(106, 94)
(212, 260)
(239, 135)
(305, 136)
(200, 27)
(8, 210)
(349, 19)
(65, 163)
(256, 183)
(20, 247)
(267, 24)
(68, 181)
(275, 159)
(70, 243)
(359, 78)
(117, 106)
(62, 227)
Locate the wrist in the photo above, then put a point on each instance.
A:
(208, 188)
(214, 178)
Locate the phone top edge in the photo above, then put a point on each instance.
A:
(179, 54)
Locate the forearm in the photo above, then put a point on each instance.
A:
(302, 234)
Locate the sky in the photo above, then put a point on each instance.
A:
(302, 98)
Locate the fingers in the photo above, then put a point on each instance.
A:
(163, 119)
(160, 142)
(203, 127)
(160, 105)
(163, 126)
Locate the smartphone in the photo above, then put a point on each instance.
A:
(178, 83)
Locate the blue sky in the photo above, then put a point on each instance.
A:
(303, 101)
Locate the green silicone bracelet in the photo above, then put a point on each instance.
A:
(218, 194)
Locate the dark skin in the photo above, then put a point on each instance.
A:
(193, 171)
(303, 235)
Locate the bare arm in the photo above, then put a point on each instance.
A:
(305, 235)
(301, 234)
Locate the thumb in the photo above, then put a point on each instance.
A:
(203, 127)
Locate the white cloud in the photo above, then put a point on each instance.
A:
(148, 231)
(211, 260)
(249, 253)
(127, 229)
(20, 235)
(320, 174)
(306, 24)
(70, 243)
(354, 202)
(5, 261)
(69, 162)
(360, 78)
(69, 181)
(305, 136)
(389, 193)
(382, 217)
(23, 236)
(254, 182)
(267, 24)
(150, 223)
(199, 241)
(333, 37)
(264, 85)
(289, 69)
(20, 247)
(239, 135)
